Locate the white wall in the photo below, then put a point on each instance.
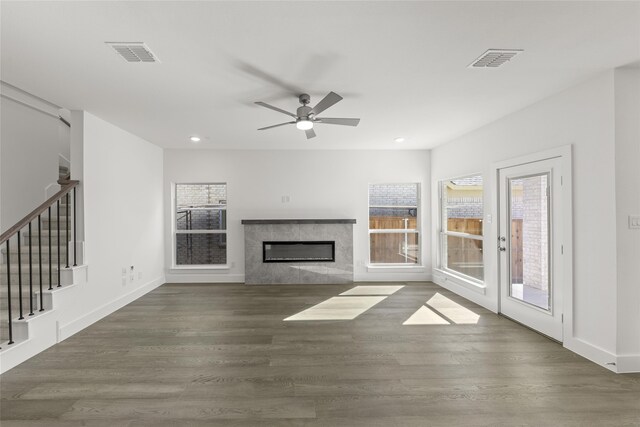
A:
(627, 125)
(584, 117)
(320, 184)
(123, 220)
(30, 142)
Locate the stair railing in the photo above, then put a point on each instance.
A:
(68, 187)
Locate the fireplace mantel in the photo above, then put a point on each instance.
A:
(297, 221)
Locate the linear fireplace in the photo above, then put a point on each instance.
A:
(299, 251)
(303, 250)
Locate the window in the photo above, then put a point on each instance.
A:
(394, 224)
(201, 224)
(461, 238)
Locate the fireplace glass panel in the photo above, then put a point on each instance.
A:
(298, 251)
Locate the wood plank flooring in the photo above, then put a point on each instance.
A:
(217, 355)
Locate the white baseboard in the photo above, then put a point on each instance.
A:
(594, 353)
(204, 278)
(392, 277)
(628, 363)
(471, 294)
(75, 326)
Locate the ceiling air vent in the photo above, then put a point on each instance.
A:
(133, 51)
(493, 58)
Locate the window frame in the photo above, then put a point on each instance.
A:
(175, 231)
(443, 232)
(416, 231)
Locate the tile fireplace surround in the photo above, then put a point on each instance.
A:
(257, 231)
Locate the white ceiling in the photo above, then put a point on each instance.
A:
(401, 66)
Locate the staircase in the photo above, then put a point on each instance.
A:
(42, 270)
(37, 259)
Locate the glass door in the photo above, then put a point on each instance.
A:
(529, 245)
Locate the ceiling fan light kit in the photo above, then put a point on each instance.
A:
(304, 124)
(306, 116)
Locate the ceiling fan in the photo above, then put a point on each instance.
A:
(306, 116)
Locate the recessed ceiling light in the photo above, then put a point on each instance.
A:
(399, 139)
(195, 139)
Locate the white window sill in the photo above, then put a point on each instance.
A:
(446, 276)
(223, 267)
(395, 268)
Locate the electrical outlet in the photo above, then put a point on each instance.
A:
(634, 221)
(233, 264)
(124, 281)
(124, 271)
(286, 199)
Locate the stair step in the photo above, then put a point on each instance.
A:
(45, 232)
(25, 282)
(24, 249)
(35, 270)
(45, 238)
(35, 255)
(54, 218)
(54, 224)
(35, 261)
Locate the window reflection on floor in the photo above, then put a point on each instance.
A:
(425, 316)
(440, 310)
(348, 305)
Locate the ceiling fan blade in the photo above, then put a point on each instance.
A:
(271, 107)
(310, 133)
(267, 77)
(334, 121)
(329, 100)
(275, 126)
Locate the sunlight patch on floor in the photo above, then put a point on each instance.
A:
(452, 310)
(373, 290)
(338, 308)
(425, 316)
(440, 310)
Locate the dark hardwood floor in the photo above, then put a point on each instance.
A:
(222, 355)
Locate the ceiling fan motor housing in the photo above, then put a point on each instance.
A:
(303, 112)
(304, 99)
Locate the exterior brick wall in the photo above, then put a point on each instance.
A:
(535, 233)
(201, 207)
(465, 207)
(393, 195)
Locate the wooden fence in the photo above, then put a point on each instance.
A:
(388, 247)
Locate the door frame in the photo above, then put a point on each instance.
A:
(564, 153)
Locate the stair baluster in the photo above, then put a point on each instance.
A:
(19, 278)
(9, 294)
(58, 225)
(75, 239)
(30, 274)
(66, 222)
(50, 267)
(40, 260)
